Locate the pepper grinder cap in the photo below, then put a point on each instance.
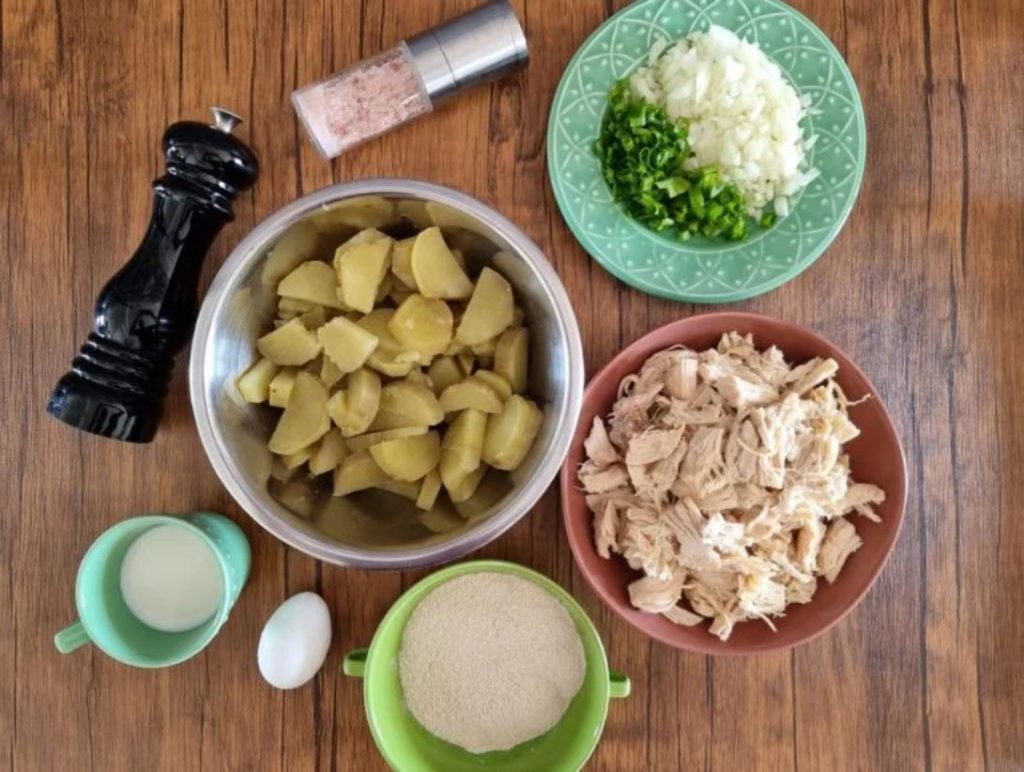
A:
(478, 47)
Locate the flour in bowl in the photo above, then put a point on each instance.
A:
(490, 660)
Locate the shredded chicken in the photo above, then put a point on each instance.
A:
(720, 475)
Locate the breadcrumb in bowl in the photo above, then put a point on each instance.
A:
(875, 457)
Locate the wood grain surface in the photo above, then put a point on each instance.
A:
(923, 288)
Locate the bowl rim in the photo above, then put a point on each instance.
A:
(523, 498)
(572, 498)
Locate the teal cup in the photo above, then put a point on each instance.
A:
(105, 621)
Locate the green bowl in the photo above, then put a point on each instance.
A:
(408, 747)
(699, 270)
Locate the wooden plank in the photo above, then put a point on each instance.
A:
(921, 288)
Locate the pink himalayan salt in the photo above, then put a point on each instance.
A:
(361, 102)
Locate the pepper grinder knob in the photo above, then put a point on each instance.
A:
(146, 312)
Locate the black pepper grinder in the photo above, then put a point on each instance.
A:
(146, 312)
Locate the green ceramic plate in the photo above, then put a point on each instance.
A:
(702, 271)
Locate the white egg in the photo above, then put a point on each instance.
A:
(294, 642)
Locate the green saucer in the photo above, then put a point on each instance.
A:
(699, 270)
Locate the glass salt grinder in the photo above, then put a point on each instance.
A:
(385, 91)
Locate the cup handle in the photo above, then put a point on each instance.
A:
(354, 663)
(70, 638)
(618, 684)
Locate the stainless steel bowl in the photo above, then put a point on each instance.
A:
(375, 529)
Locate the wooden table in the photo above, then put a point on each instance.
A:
(922, 288)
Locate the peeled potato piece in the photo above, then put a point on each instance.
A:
(289, 344)
(356, 472)
(314, 281)
(407, 404)
(390, 357)
(304, 420)
(484, 350)
(354, 408)
(295, 460)
(435, 269)
(408, 459)
(346, 343)
(440, 520)
(401, 262)
(289, 308)
(423, 325)
(444, 371)
(298, 244)
(360, 212)
(470, 393)
(511, 432)
(490, 309)
(467, 432)
(496, 382)
(361, 270)
(280, 388)
(329, 453)
(254, 383)
(466, 486)
(462, 447)
(365, 236)
(366, 441)
(429, 490)
(466, 361)
(330, 374)
(511, 357)
(407, 490)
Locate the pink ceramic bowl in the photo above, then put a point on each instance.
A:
(875, 456)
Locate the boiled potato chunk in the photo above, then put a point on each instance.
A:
(365, 236)
(407, 404)
(304, 420)
(367, 441)
(315, 282)
(401, 262)
(511, 432)
(295, 460)
(359, 212)
(330, 374)
(289, 344)
(497, 382)
(484, 350)
(390, 357)
(456, 465)
(423, 325)
(313, 319)
(470, 393)
(444, 371)
(467, 432)
(289, 308)
(440, 520)
(346, 343)
(357, 472)
(512, 357)
(435, 269)
(408, 459)
(354, 408)
(398, 487)
(299, 243)
(429, 490)
(361, 269)
(466, 361)
(329, 453)
(490, 310)
(466, 487)
(280, 388)
(462, 447)
(420, 378)
(254, 383)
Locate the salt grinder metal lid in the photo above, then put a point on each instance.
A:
(478, 47)
(145, 313)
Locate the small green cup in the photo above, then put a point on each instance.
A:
(408, 747)
(105, 620)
